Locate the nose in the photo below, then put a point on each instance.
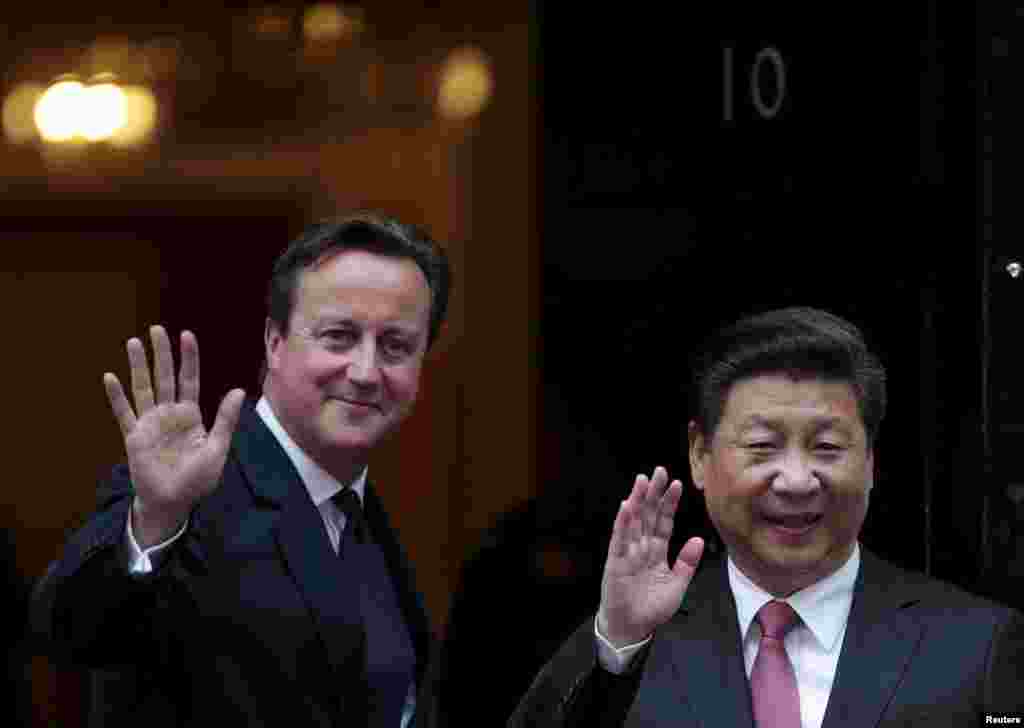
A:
(796, 475)
(362, 369)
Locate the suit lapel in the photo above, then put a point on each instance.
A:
(880, 640)
(305, 548)
(694, 674)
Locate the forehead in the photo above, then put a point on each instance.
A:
(782, 397)
(360, 283)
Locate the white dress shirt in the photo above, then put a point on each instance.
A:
(813, 645)
(322, 486)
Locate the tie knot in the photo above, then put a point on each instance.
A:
(776, 618)
(348, 503)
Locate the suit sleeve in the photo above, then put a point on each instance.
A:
(572, 689)
(87, 609)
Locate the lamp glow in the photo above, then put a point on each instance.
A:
(140, 117)
(103, 111)
(100, 111)
(19, 125)
(466, 84)
(57, 111)
(325, 22)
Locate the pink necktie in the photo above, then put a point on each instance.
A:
(772, 681)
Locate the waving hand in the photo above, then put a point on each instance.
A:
(640, 590)
(173, 460)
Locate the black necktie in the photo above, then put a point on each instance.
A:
(389, 659)
(355, 524)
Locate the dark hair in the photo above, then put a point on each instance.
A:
(361, 230)
(801, 342)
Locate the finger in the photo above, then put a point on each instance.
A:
(635, 535)
(227, 418)
(142, 388)
(667, 506)
(119, 403)
(665, 520)
(188, 383)
(636, 497)
(163, 364)
(652, 501)
(617, 547)
(688, 558)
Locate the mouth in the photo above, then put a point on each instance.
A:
(794, 524)
(358, 404)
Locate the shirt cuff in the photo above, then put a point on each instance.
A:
(140, 561)
(616, 660)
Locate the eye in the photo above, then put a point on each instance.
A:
(761, 446)
(338, 338)
(828, 448)
(395, 349)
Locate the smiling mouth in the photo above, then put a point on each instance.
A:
(797, 522)
(357, 403)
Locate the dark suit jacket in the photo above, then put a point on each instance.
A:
(245, 622)
(917, 652)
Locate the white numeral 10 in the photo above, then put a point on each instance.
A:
(768, 60)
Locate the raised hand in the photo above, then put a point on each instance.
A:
(639, 590)
(173, 460)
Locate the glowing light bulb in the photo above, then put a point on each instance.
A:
(466, 84)
(57, 111)
(103, 111)
(326, 22)
(140, 117)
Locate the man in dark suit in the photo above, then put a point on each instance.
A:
(247, 575)
(799, 626)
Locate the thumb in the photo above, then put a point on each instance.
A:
(688, 558)
(227, 418)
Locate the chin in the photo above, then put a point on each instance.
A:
(350, 439)
(355, 442)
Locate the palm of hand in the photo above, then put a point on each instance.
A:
(641, 591)
(170, 455)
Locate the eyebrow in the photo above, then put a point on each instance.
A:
(819, 423)
(407, 332)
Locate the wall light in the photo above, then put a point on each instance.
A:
(58, 110)
(466, 84)
(70, 111)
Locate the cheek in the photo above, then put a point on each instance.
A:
(741, 481)
(320, 367)
(403, 383)
(854, 507)
(728, 502)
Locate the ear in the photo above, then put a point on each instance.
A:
(870, 469)
(698, 453)
(272, 342)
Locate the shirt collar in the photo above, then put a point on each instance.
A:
(322, 486)
(823, 606)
